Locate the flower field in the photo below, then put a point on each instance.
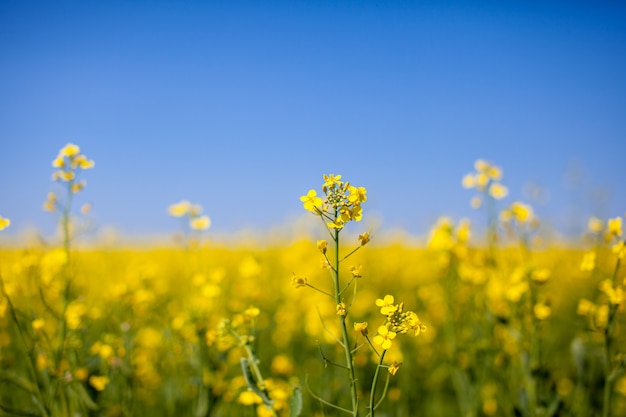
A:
(508, 325)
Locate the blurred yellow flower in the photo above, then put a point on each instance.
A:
(179, 209)
(595, 225)
(589, 261)
(498, 191)
(542, 311)
(614, 226)
(322, 245)
(69, 150)
(38, 324)
(99, 383)
(364, 238)
(4, 223)
(476, 202)
(540, 276)
(200, 223)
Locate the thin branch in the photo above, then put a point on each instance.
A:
(327, 361)
(323, 401)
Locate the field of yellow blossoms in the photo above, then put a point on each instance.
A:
(504, 325)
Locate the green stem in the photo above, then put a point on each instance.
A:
(374, 382)
(607, 391)
(344, 330)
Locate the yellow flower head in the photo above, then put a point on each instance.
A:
(4, 223)
(179, 209)
(99, 383)
(361, 328)
(38, 324)
(330, 181)
(357, 195)
(595, 225)
(614, 226)
(384, 337)
(312, 202)
(356, 271)
(540, 276)
(69, 150)
(542, 311)
(322, 245)
(200, 223)
(469, 181)
(298, 281)
(364, 238)
(386, 305)
(341, 309)
(589, 261)
(394, 368)
(498, 191)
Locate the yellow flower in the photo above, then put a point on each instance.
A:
(595, 225)
(38, 324)
(357, 195)
(200, 223)
(521, 212)
(386, 305)
(585, 307)
(298, 281)
(322, 245)
(50, 203)
(540, 276)
(4, 223)
(99, 383)
(69, 150)
(364, 238)
(469, 181)
(619, 249)
(498, 191)
(356, 271)
(384, 337)
(252, 312)
(361, 328)
(341, 309)
(330, 181)
(78, 186)
(476, 202)
(542, 311)
(179, 209)
(336, 224)
(589, 261)
(393, 368)
(614, 226)
(312, 202)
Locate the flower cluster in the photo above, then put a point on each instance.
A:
(486, 179)
(193, 212)
(69, 161)
(341, 202)
(397, 321)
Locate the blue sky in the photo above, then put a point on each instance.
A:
(241, 106)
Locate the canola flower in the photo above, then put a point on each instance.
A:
(4, 223)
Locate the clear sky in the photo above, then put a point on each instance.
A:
(241, 106)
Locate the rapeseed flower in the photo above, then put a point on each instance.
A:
(312, 202)
(384, 337)
(4, 223)
(386, 305)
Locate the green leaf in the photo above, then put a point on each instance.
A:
(295, 402)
